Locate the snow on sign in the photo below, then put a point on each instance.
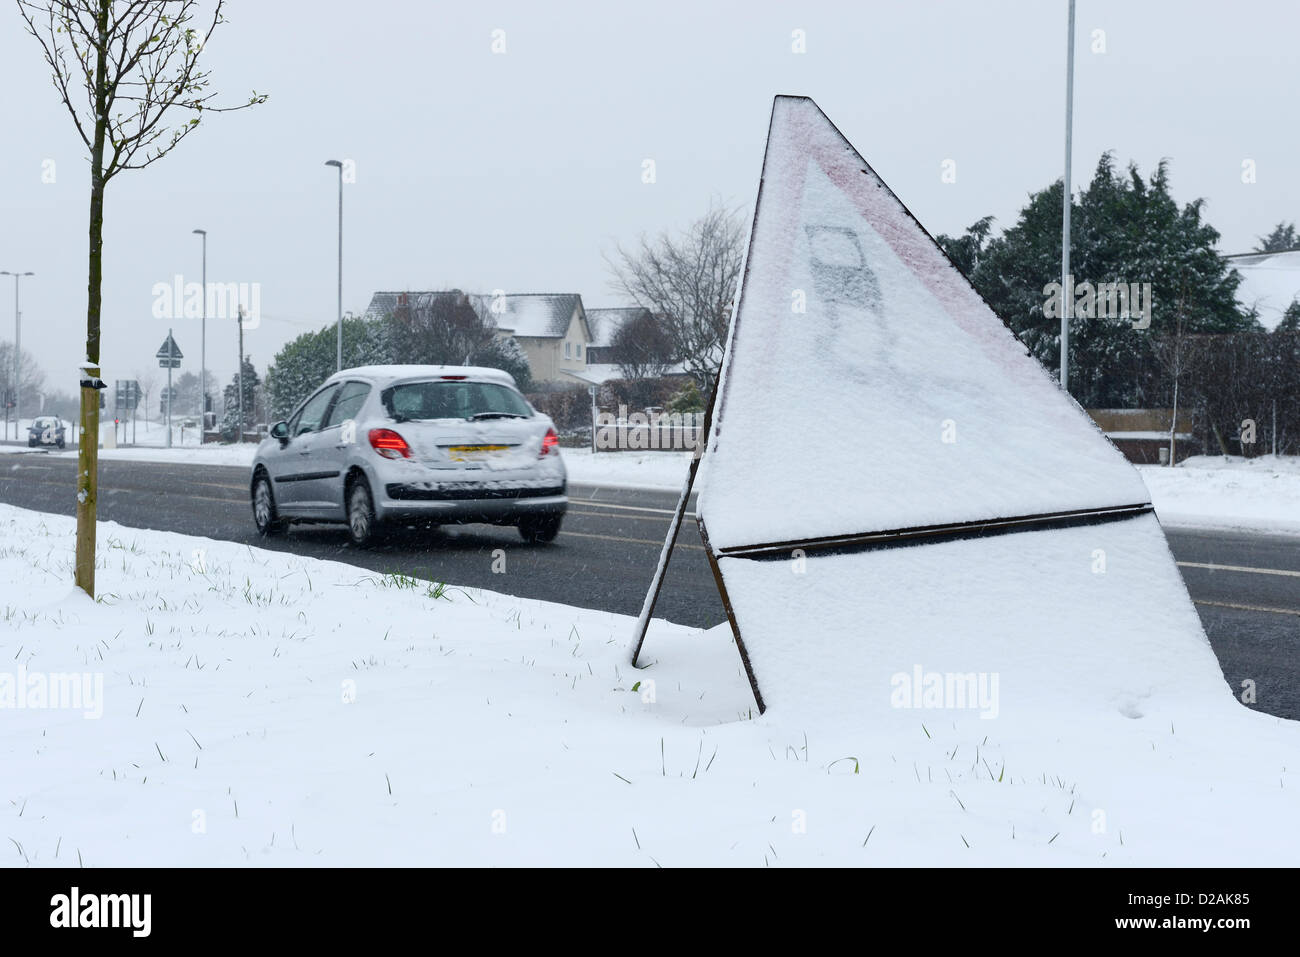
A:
(889, 474)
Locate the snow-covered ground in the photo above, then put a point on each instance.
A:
(655, 470)
(1228, 492)
(256, 707)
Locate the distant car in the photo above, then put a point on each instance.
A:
(45, 430)
(429, 444)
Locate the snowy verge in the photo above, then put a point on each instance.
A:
(1228, 492)
(261, 708)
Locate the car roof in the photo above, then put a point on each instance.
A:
(388, 374)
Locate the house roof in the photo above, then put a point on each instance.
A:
(1269, 283)
(533, 315)
(598, 373)
(384, 303)
(605, 323)
(530, 315)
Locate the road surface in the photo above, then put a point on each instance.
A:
(1246, 586)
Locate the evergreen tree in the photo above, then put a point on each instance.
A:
(1122, 229)
(303, 364)
(1282, 239)
(415, 335)
(1290, 323)
(230, 424)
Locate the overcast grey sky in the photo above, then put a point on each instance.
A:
(516, 170)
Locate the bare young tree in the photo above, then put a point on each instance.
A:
(641, 348)
(123, 68)
(445, 328)
(148, 382)
(689, 283)
(1176, 353)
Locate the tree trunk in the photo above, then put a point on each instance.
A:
(88, 437)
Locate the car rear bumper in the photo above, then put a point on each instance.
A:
(454, 503)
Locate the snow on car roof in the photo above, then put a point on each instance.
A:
(394, 373)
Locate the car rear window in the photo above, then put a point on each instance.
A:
(453, 400)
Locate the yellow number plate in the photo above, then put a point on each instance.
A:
(474, 453)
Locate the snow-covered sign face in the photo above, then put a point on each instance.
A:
(875, 424)
(868, 387)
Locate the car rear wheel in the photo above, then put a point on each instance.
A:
(265, 516)
(363, 527)
(539, 529)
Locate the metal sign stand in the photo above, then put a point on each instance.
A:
(169, 357)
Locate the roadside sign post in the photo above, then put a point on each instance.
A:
(127, 399)
(169, 357)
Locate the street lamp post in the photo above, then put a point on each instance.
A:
(18, 347)
(240, 386)
(339, 358)
(203, 343)
(1067, 289)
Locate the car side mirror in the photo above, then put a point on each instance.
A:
(281, 431)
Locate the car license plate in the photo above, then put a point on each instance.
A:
(474, 453)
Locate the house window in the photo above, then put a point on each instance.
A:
(578, 350)
(567, 347)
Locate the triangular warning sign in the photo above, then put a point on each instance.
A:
(169, 349)
(871, 402)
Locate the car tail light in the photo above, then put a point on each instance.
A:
(455, 378)
(389, 444)
(551, 441)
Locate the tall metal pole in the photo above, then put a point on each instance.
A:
(18, 350)
(1067, 290)
(339, 357)
(203, 344)
(18, 358)
(170, 360)
(240, 434)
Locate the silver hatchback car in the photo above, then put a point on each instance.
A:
(430, 444)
